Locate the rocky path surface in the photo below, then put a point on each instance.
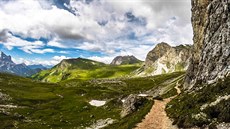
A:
(157, 117)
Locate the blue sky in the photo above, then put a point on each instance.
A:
(47, 31)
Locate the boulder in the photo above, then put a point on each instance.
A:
(131, 104)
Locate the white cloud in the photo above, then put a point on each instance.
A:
(10, 41)
(59, 58)
(55, 60)
(21, 60)
(55, 43)
(61, 23)
(105, 59)
(140, 52)
(161, 20)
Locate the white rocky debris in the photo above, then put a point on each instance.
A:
(97, 103)
(160, 68)
(4, 97)
(220, 98)
(223, 126)
(8, 106)
(101, 123)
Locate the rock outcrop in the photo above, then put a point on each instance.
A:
(211, 57)
(166, 59)
(131, 104)
(124, 60)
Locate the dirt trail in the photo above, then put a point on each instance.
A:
(157, 118)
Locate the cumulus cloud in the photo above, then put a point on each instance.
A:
(139, 51)
(10, 41)
(53, 61)
(110, 27)
(105, 59)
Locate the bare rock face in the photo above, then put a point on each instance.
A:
(166, 59)
(211, 57)
(156, 53)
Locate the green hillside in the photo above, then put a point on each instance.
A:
(83, 69)
(207, 106)
(25, 103)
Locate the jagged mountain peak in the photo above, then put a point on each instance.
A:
(157, 52)
(5, 58)
(8, 66)
(166, 59)
(123, 60)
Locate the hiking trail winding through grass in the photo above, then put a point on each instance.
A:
(157, 117)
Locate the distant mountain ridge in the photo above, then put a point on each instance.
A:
(39, 66)
(83, 69)
(165, 59)
(124, 60)
(8, 66)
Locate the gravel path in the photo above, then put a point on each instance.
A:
(157, 117)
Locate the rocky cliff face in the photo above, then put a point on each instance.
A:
(206, 100)
(211, 57)
(166, 59)
(5, 58)
(123, 60)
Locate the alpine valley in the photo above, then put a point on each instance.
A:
(175, 87)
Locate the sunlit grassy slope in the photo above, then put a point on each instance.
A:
(83, 69)
(65, 105)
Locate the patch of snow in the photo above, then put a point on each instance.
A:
(97, 103)
(142, 95)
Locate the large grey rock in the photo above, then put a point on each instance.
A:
(211, 57)
(132, 104)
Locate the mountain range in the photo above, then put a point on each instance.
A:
(8, 66)
(162, 59)
(84, 69)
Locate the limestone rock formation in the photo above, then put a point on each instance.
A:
(123, 60)
(166, 59)
(131, 104)
(211, 57)
(206, 93)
